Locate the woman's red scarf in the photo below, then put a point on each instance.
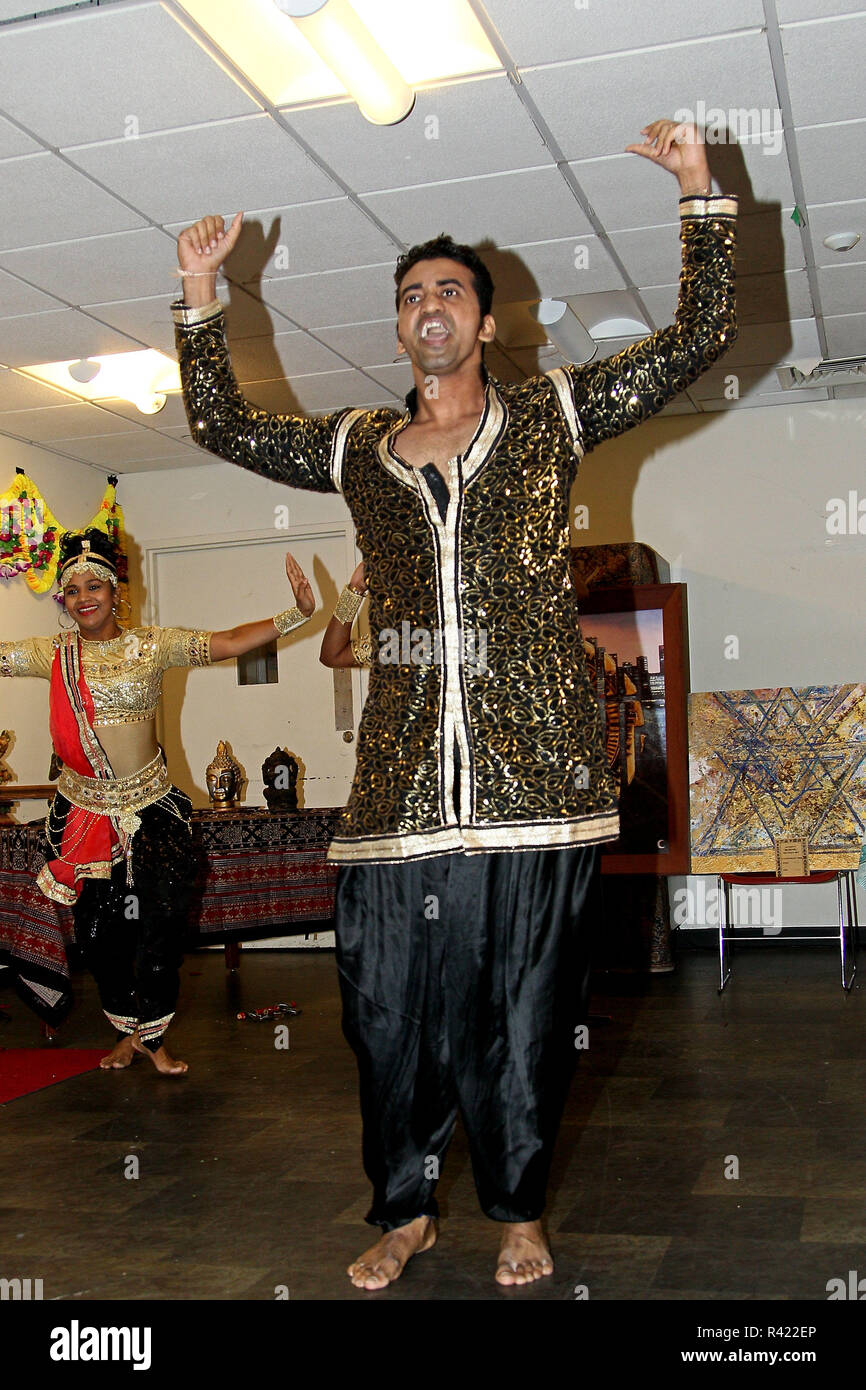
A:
(90, 845)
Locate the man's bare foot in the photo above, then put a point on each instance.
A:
(384, 1261)
(523, 1254)
(162, 1060)
(120, 1056)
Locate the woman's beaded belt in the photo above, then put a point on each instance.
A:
(119, 797)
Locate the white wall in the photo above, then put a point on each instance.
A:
(737, 502)
(73, 491)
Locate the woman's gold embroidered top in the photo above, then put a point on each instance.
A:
(478, 667)
(124, 676)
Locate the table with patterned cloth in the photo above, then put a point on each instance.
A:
(261, 874)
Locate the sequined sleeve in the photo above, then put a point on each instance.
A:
(623, 390)
(290, 449)
(180, 646)
(362, 649)
(31, 656)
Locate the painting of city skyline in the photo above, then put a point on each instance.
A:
(634, 645)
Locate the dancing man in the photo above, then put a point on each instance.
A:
(118, 830)
(469, 844)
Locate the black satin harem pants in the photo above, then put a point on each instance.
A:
(463, 980)
(131, 936)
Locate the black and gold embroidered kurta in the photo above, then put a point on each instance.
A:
(480, 662)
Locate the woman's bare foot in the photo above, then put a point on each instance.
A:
(120, 1056)
(162, 1060)
(523, 1254)
(384, 1261)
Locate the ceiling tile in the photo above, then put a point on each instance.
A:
(846, 335)
(791, 10)
(503, 209)
(767, 242)
(18, 298)
(14, 142)
(323, 392)
(837, 217)
(832, 160)
(64, 422)
(760, 299)
(63, 336)
(843, 288)
(753, 400)
(813, 52)
(765, 344)
(182, 175)
(458, 131)
(24, 9)
(551, 31)
(750, 381)
(43, 199)
(100, 269)
(280, 355)
(396, 378)
(147, 320)
(300, 240)
(172, 415)
(365, 344)
(627, 191)
(575, 98)
(316, 301)
(552, 269)
(139, 70)
(19, 392)
(122, 452)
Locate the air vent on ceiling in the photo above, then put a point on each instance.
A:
(841, 371)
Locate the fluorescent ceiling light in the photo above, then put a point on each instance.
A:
(564, 329)
(620, 328)
(336, 33)
(140, 377)
(425, 40)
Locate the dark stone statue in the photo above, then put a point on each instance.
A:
(280, 776)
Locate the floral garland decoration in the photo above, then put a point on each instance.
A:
(30, 533)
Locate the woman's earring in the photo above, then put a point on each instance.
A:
(65, 626)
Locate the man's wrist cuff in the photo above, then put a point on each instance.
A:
(185, 316)
(708, 205)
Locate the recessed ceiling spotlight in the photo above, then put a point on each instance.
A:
(842, 241)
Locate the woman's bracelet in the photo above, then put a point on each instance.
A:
(289, 620)
(348, 604)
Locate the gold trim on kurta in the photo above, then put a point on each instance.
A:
(477, 839)
(338, 448)
(561, 383)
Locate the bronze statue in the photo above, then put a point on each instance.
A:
(224, 778)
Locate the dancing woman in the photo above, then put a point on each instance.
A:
(117, 828)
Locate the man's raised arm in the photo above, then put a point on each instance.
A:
(287, 448)
(616, 394)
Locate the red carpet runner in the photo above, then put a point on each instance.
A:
(26, 1069)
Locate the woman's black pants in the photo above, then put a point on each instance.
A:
(464, 979)
(131, 935)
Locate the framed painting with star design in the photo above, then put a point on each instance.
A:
(777, 764)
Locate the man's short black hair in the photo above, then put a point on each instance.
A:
(442, 247)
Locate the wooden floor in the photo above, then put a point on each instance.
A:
(250, 1174)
